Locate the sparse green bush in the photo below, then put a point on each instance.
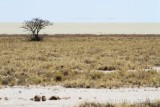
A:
(58, 76)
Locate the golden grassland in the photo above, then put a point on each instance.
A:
(80, 60)
(142, 104)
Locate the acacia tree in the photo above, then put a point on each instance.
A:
(35, 26)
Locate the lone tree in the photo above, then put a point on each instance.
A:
(35, 26)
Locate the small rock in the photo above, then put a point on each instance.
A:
(66, 98)
(20, 91)
(80, 97)
(54, 98)
(37, 98)
(0, 98)
(6, 98)
(32, 99)
(43, 98)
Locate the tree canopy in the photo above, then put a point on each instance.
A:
(35, 26)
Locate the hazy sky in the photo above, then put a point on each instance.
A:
(81, 10)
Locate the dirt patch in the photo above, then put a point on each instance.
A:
(71, 97)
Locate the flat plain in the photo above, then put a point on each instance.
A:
(87, 28)
(82, 70)
(86, 61)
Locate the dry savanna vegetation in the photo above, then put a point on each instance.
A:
(142, 104)
(81, 61)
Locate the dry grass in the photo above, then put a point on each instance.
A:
(75, 61)
(142, 104)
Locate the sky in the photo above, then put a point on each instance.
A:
(81, 10)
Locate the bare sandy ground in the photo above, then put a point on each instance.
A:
(87, 28)
(156, 69)
(20, 96)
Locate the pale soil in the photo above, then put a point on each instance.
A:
(87, 28)
(20, 96)
(157, 69)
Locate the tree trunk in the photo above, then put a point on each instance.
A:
(33, 34)
(37, 37)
